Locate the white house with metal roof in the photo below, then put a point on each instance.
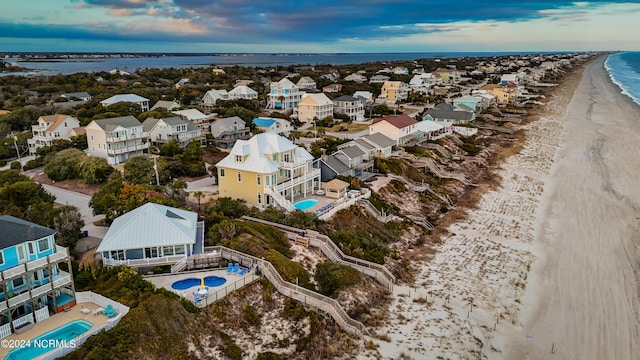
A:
(152, 235)
(243, 92)
(116, 139)
(131, 98)
(196, 117)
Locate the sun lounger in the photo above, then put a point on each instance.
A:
(230, 268)
(243, 271)
(98, 311)
(110, 311)
(236, 268)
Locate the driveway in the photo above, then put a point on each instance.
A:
(81, 201)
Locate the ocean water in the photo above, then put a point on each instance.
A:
(624, 70)
(131, 64)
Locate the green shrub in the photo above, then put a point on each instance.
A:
(233, 351)
(332, 277)
(269, 356)
(34, 163)
(15, 165)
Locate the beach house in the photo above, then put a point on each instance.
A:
(283, 95)
(130, 98)
(400, 128)
(152, 235)
(162, 131)
(450, 114)
(267, 169)
(196, 117)
(50, 128)
(116, 139)
(394, 91)
(351, 106)
(32, 283)
(306, 83)
(314, 106)
(275, 125)
(211, 97)
(243, 92)
(227, 131)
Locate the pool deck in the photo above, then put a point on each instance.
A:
(56, 321)
(322, 201)
(234, 282)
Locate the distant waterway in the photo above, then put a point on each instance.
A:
(70, 66)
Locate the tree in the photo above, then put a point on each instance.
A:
(139, 170)
(68, 223)
(64, 164)
(198, 195)
(332, 277)
(94, 170)
(105, 200)
(131, 196)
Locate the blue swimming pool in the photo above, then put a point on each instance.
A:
(185, 284)
(54, 339)
(305, 204)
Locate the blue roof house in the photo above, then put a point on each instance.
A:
(32, 285)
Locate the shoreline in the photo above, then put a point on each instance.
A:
(583, 303)
(471, 298)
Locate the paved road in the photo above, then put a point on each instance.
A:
(81, 201)
(205, 184)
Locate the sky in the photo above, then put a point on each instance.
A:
(319, 26)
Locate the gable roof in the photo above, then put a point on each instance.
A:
(447, 111)
(132, 98)
(14, 231)
(53, 121)
(346, 98)
(191, 114)
(335, 164)
(352, 152)
(380, 140)
(243, 89)
(150, 225)
(318, 98)
(111, 124)
(230, 121)
(398, 121)
(149, 123)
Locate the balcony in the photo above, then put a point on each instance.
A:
(128, 149)
(289, 165)
(165, 260)
(59, 280)
(290, 183)
(21, 269)
(116, 139)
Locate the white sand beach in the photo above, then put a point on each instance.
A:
(550, 259)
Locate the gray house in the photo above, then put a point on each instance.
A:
(227, 131)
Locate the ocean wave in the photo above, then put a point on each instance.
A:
(625, 75)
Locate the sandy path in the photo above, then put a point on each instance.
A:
(584, 293)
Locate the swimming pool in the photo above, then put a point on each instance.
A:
(305, 204)
(185, 284)
(51, 340)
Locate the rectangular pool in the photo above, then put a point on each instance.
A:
(61, 336)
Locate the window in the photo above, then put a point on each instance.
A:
(1, 258)
(45, 273)
(18, 282)
(21, 255)
(36, 275)
(180, 250)
(43, 245)
(274, 157)
(238, 158)
(286, 157)
(239, 176)
(266, 178)
(221, 172)
(30, 247)
(167, 250)
(259, 198)
(258, 179)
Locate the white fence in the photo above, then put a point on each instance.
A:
(42, 314)
(343, 204)
(5, 330)
(88, 296)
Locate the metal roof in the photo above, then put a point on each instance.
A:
(151, 225)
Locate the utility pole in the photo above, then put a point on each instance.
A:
(15, 143)
(155, 168)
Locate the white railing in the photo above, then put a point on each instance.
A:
(279, 199)
(290, 183)
(165, 260)
(334, 253)
(3, 306)
(5, 330)
(128, 137)
(179, 266)
(27, 319)
(59, 255)
(88, 296)
(343, 204)
(127, 149)
(19, 299)
(41, 290)
(41, 314)
(61, 279)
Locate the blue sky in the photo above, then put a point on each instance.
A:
(318, 26)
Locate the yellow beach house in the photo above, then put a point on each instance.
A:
(268, 169)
